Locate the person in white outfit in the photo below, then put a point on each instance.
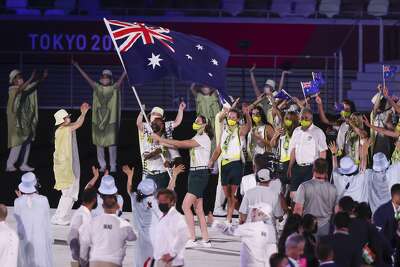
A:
(169, 233)
(105, 238)
(257, 236)
(82, 216)
(32, 213)
(66, 163)
(8, 241)
(107, 187)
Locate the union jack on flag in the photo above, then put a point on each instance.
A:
(150, 53)
(389, 71)
(310, 88)
(317, 78)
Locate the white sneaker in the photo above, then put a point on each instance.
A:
(26, 168)
(11, 169)
(219, 212)
(205, 244)
(191, 244)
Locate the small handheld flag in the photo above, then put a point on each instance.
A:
(389, 71)
(310, 88)
(317, 78)
(281, 95)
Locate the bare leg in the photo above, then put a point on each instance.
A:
(188, 202)
(231, 200)
(227, 195)
(202, 218)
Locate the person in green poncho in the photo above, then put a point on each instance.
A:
(105, 115)
(22, 117)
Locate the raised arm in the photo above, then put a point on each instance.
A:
(245, 129)
(193, 89)
(377, 101)
(321, 111)
(84, 74)
(129, 173)
(95, 177)
(179, 116)
(120, 80)
(282, 79)
(379, 129)
(276, 136)
(79, 122)
(176, 170)
(254, 82)
(26, 83)
(334, 150)
(33, 86)
(139, 120)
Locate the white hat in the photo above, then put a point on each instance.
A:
(147, 187)
(264, 175)
(13, 74)
(263, 207)
(59, 116)
(107, 185)
(270, 83)
(28, 182)
(107, 72)
(380, 162)
(158, 110)
(379, 97)
(347, 166)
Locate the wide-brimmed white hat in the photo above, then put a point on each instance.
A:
(107, 185)
(147, 187)
(380, 162)
(264, 175)
(347, 166)
(107, 72)
(60, 115)
(158, 110)
(263, 207)
(270, 83)
(13, 74)
(379, 97)
(28, 183)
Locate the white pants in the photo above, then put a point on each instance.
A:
(64, 208)
(15, 152)
(112, 152)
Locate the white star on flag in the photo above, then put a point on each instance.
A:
(199, 47)
(210, 74)
(214, 62)
(189, 57)
(154, 60)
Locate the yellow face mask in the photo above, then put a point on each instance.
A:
(196, 126)
(397, 129)
(256, 118)
(288, 123)
(345, 114)
(232, 122)
(305, 123)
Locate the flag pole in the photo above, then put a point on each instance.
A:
(383, 76)
(283, 90)
(133, 89)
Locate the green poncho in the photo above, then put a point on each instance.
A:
(208, 106)
(105, 115)
(22, 114)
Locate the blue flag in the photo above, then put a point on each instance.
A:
(282, 95)
(389, 71)
(317, 78)
(150, 53)
(310, 88)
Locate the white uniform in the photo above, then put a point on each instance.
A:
(99, 209)
(169, 235)
(106, 238)
(357, 186)
(32, 213)
(144, 214)
(8, 245)
(81, 217)
(258, 242)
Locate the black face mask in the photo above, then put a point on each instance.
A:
(155, 127)
(164, 207)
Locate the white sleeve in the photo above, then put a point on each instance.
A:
(85, 242)
(293, 141)
(322, 146)
(244, 206)
(200, 139)
(181, 236)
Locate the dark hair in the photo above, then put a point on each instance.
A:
(156, 125)
(341, 220)
(320, 166)
(395, 189)
(382, 104)
(363, 211)
(109, 201)
(235, 110)
(324, 249)
(347, 204)
(208, 129)
(351, 104)
(171, 195)
(276, 259)
(292, 225)
(262, 114)
(260, 161)
(309, 223)
(89, 194)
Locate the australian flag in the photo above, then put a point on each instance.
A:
(150, 53)
(389, 71)
(310, 88)
(317, 78)
(282, 95)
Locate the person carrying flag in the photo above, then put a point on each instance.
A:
(105, 115)
(22, 117)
